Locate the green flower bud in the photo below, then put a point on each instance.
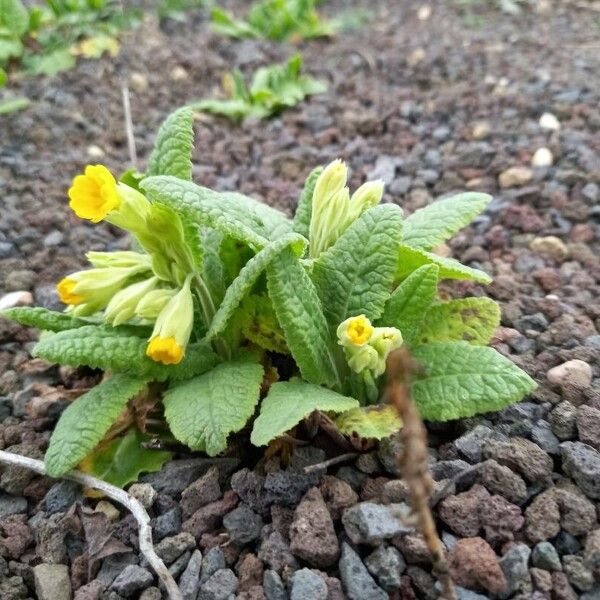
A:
(362, 358)
(125, 258)
(369, 194)
(150, 306)
(122, 306)
(384, 340)
(133, 210)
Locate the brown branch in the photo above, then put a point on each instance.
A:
(120, 496)
(413, 462)
(328, 463)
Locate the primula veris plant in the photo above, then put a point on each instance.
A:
(227, 309)
(273, 89)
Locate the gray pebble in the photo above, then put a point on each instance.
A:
(307, 585)
(220, 586)
(358, 583)
(131, 580)
(370, 523)
(386, 564)
(582, 463)
(546, 557)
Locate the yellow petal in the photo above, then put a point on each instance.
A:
(359, 330)
(165, 350)
(94, 194)
(65, 292)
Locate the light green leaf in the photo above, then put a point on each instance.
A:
(410, 259)
(49, 63)
(86, 421)
(232, 214)
(248, 276)
(301, 317)
(124, 459)
(288, 402)
(172, 154)
(370, 422)
(42, 318)
(14, 17)
(461, 380)
(304, 209)
(472, 320)
(432, 225)
(203, 411)
(10, 47)
(12, 105)
(356, 274)
(225, 24)
(409, 302)
(114, 349)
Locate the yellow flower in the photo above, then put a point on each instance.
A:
(66, 294)
(94, 194)
(165, 350)
(355, 331)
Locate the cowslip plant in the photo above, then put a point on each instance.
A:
(273, 89)
(227, 308)
(275, 20)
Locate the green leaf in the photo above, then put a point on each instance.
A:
(410, 259)
(258, 323)
(49, 63)
(124, 459)
(172, 154)
(288, 402)
(461, 380)
(409, 302)
(203, 411)
(370, 422)
(232, 214)
(472, 320)
(432, 225)
(248, 276)
(356, 274)
(304, 209)
(14, 17)
(86, 421)
(13, 105)
(10, 47)
(42, 318)
(301, 317)
(115, 349)
(225, 24)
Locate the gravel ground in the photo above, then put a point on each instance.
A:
(431, 106)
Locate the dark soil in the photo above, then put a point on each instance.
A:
(431, 106)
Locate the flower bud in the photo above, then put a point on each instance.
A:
(150, 306)
(125, 258)
(369, 194)
(384, 340)
(122, 306)
(362, 358)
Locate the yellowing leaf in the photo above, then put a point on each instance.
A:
(96, 46)
(371, 422)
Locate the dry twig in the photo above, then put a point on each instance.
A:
(322, 466)
(413, 462)
(120, 496)
(129, 126)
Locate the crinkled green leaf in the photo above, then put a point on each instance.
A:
(409, 302)
(356, 274)
(232, 214)
(432, 225)
(86, 421)
(304, 208)
(123, 460)
(369, 422)
(248, 276)
(288, 402)
(110, 349)
(258, 323)
(461, 380)
(172, 154)
(203, 411)
(14, 17)
(301, 317)
(472, 320)
(42, 318)
(410, 259)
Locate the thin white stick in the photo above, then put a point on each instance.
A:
(120, 496)
(129, 126)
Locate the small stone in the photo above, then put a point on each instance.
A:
(337, 495)
(171, 548)
(357, 582)
(209, 517)
(582, 463)
(592, 552)
(515, 177)
(12, 505)
(388, 451)
(545, 557)
(19, 298)
(249, 570)
(542, 517)
(111, 511)
(470, 445)
(541, 580)
(90, 591)
(515, 565)
(542, 435)
(144, 493)
(287, 487)
(521, 455)
(201, 492)
(167, 524)
(577, 573)
(474, 565)
(370, 523)
(307, 585)
(386, 564)
(178, 73)
(151, 593)
(578, 514)
(551, 246)
(52, 582)
(481, 130)
(131, 580)
(221, 586)
(501, 480)
(549, 122)
(61, 496)
(273, 586)
(312, 534)
(563, 421)
(462, 512)
(15, 536)
(139, 82)
(500, 519)
(189, 582)
(542, 157)
(275, 552)
(243, 525)
(561, 588)
(13, 588)
(94, 151)
(588, 426)
(113, 565)
(213, 561)
(565, 543)
(574, 372)
(413, 548)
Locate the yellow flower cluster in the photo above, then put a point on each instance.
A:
(153, 286)
(367, 347)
